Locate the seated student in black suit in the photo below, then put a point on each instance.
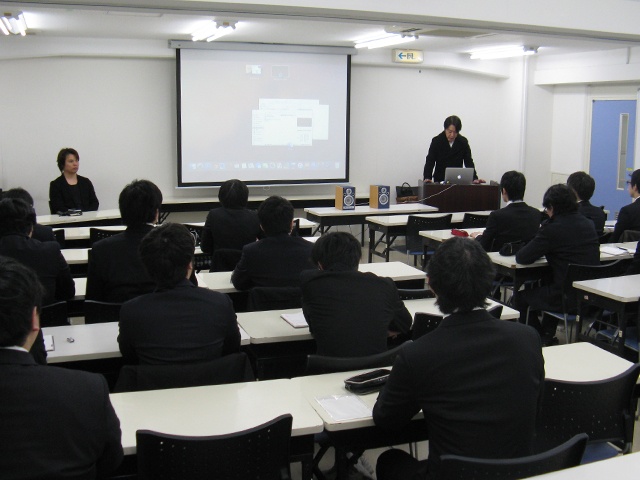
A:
(278, 259)
(16, 224)
(583, 185)
(634, 268)
(476, 378)
(516, 222)
(349, 313)
(567, 237)
(56, 422)
(70, 191)
(233, 225)
(629, 216)
(115, 273)
(179, 322)
(43, 233)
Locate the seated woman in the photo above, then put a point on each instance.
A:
(70, 191)
(233, 225)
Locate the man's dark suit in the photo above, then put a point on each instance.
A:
(628, 219)
(179, 325)
(46, 260)
(62, 198)
(477, 380)
(513, 223)
(443, 156)
(56, 422)
(593, 213)
(230, 228)
(634, 268)
(351, 313)
(115, 272)
(274, 261)
(44, 233)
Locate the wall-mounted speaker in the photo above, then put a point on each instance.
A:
(379, 196)
(346, 197)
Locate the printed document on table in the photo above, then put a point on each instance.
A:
(344, 407)
(296, 320)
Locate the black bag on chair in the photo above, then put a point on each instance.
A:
(511, 248)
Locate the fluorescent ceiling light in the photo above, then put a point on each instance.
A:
(214, 30)
(13, 24)
(385, 41)
(502, 52)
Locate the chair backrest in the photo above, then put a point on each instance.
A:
(567, 455)
(196, 231)
(59, 236)
(424, 323)
(101, 312)
(577, 272)
(295, 231)
(474, 220)
(317, 364)
(630, 236)
(416, 224)
(411, 293)
(231, 368)
(96, 234)
(604, 238)
(54, 315)
(496, 310)
(202, 261)
(261, 452)
(225, 259)
(600, 409)
(274, 298)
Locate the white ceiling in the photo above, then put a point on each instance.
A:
(153, 24)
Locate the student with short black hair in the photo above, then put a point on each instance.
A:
(277, 259)
(115, 272)
(350, 313)
(516, 222)
(44, 233)
(583, 185)
(56, 422)
(232, 225)
(629, 216)
(178, 322)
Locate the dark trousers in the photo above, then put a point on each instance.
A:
(535, 300)
(399, 465)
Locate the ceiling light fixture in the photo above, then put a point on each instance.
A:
(502, 52)
(386, 41)
(13, 24)
(214, 30)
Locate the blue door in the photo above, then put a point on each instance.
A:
(613, 126)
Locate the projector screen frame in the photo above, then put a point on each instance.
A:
(228, 46)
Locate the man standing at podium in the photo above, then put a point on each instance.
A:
(448, 149)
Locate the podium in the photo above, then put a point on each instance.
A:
(462, 198)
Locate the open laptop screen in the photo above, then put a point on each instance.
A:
(458, 176)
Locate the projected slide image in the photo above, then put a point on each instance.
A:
(289, 122)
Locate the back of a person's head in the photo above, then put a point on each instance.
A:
(62, 156)
(234, 194)
(337, 251)
(166, 252)
(16, 216)
(19, 193)
(276, 215)
(139, 203)
(461, 275)
(20, 292)
(635, 179)
(453, 120)
(561, 198)
(582, 184)
(514, 183)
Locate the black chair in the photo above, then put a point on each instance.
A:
(630, 236)
(412, 293)
(231, 368)
(261, 452)
(196, 231)
(604, 238)
(225, 259)
(101, 312)
(97, 234)
(414, 245)
(54, 315)
(295, 231)
(567, 455)
(576, 272)
(474, 220)
(274, 298)
(317, 364)
(603, 410)
(59, 236)
(202, 261)
(424, 323)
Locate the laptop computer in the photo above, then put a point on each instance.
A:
(458, 176)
